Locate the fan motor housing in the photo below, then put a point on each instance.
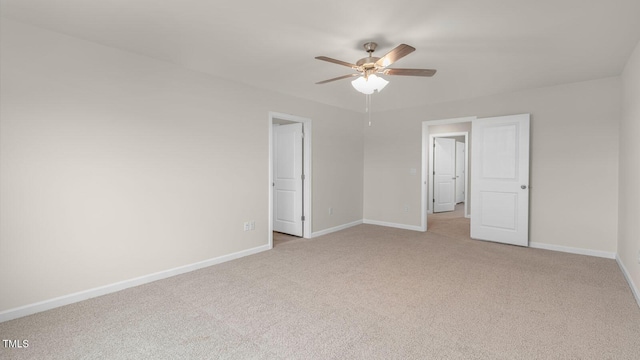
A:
(368, 62)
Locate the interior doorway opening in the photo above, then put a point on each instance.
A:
(293, 189)
(448, 189)
(449, 169)
(458, 129)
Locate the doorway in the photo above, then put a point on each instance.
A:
(448, 169)
(456, 127)
(301, 205)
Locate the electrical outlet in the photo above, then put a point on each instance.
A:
(246, 226)
(330, 211)
(252, 225)
(405, 208)
(638, 256)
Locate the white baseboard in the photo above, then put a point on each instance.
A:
(634, 289)
(572, 250)
(394, 225)
(335, 228)
(111, 288)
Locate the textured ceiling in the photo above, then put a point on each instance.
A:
(479, 47)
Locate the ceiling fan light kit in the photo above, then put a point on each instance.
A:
(368, 82)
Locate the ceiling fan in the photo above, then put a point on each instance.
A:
(369, 66)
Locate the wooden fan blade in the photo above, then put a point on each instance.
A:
(338, 78)
(339, 62)
(394, 55)
(409, 72)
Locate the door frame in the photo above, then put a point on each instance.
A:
(306, 168)
(463, 162)
(425, 143)
(466, 168)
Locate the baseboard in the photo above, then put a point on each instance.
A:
(111, 288)
(634, 289)
(394, 225)
(572, 250)
(335, 228)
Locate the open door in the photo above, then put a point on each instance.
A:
(444, 178)
(287, 179)
(500, 173)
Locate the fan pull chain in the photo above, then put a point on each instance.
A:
(368, 106)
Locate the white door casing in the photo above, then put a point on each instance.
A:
(444, 179)
(287, 178)
(500, 173)
(460, 166)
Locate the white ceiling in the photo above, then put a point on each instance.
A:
(479, 47)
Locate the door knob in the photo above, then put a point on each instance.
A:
(523, 187)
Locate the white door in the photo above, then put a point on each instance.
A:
(500, 173)
(444, 178)
(287, 179)
(460, 166)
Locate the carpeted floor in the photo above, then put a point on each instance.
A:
(280, 238)
(367, 292)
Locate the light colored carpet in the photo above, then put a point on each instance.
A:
(451, 224)
(280, 238)
(367, 292)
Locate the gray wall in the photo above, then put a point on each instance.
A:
(115, 166)
(629, 192)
